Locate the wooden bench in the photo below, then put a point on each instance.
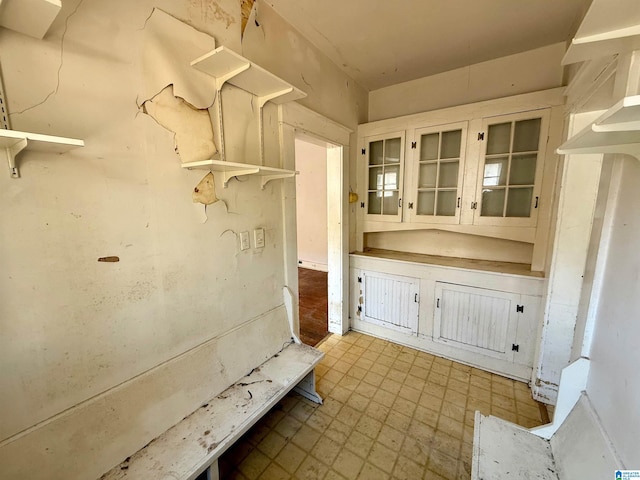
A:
(193, 445)
(579, 449)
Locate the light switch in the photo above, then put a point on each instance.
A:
(258, 237)
(244, 241)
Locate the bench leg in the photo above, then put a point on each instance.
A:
(213, 473)
(307, 388)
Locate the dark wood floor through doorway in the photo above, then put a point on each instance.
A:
(314, 303)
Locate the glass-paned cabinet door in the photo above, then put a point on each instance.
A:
(510, 174)
(384, 156)
(438, 158)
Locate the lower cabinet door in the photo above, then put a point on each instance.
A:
(390, 301)
(476, 319)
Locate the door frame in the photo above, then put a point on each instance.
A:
(296, 120)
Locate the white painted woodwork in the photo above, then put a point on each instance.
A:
(579, 449)
(227, 66)
(476, 319)
(609, 27)
(189, 447)
(390, 301)
(533, 229)
(296, 120)
(14, 142)
(413, 171)
(617, 130)
(576, 204)
(31, 17)
(490, 279)
(231, 169)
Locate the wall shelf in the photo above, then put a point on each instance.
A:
(615, 131)
(13, 142)
(231, 169)
(226, 66)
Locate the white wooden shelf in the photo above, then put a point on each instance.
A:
(13, 142)
(227, 66)
(610, 27)
(615, 131)
(231, 169)
(31, 17)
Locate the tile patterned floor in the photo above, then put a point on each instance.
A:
(390, 412)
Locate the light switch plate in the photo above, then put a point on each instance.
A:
(244, 241)
(258, 237)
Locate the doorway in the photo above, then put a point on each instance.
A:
(312, 235)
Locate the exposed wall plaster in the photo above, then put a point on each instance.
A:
(245, 9)
(205, 191)
(194, 133)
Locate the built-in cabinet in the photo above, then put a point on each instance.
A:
(418, 175)
(484, 169)
(486, 318)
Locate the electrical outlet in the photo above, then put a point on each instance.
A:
(258, 237)
(244, 241)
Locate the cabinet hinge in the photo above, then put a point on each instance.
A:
(519, 308)
(474, 205)
(359, 309)
(480, 136)
(410, 206)
(413, 145)
(359, 279)
(364, 151)
(361, 204)
(515, 348)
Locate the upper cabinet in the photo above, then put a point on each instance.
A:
(436, 173)
(385, 170)
(510, 174)
(476, 169)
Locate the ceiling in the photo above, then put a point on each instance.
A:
(384, 42)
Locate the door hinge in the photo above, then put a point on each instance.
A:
(515, 348)
(474, 205)
(480, 136)
(361, 204)
(359, 279)
(364, 151)
(519, 308)
(413, 145)
(410, 205)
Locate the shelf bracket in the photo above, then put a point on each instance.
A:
(267, 178)
(229, 174)
(12, 151)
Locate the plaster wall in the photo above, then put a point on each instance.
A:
(525, 72)
(311, 204)
(113, 341)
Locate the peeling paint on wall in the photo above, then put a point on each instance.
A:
(245, 8)
(205, 191)
(194, 133)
